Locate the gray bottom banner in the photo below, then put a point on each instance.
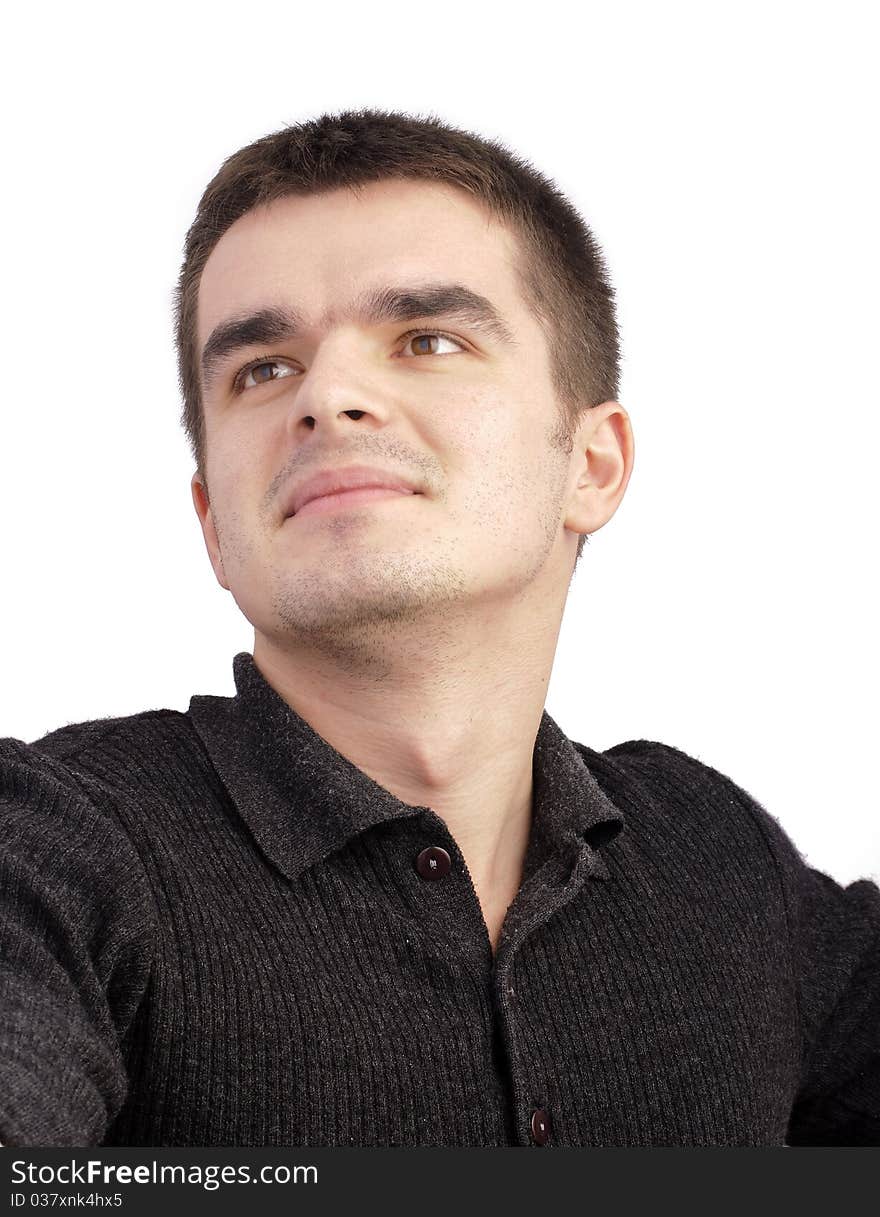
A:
(135, 1181)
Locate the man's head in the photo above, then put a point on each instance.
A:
(315, 250)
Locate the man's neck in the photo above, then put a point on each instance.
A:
(453, 732)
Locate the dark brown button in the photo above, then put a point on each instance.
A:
(433, 862)
(541, 1127)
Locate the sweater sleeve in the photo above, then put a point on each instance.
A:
(835, 933)
(76, 942)
(834, 943)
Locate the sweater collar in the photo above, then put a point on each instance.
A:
(302, 800)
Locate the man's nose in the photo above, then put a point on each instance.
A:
(343, 381)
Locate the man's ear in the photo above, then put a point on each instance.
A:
(606, 453)
(202, 504)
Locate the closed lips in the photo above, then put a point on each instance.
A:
(337, 481)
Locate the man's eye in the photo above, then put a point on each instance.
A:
(425, 343)
(261, 373)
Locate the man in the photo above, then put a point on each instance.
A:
(378, 897)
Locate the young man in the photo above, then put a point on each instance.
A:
(378, 897)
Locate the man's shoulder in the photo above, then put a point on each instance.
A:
(73, 739)
(664, 767)
(655, 781)
(111, 752)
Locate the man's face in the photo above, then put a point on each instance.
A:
(466, 415)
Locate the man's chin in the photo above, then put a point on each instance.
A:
(350, 609)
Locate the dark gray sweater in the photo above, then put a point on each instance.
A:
(217, 931)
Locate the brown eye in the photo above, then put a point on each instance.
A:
(261, 373)
(427, 343)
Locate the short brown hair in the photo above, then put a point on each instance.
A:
(562, 271)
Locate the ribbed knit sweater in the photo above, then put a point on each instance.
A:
(218, 931)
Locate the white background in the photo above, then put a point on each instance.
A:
(725, 159)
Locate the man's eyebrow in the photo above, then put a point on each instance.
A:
(266, 326)
(381, 306)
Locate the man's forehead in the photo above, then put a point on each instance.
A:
(327, 249)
